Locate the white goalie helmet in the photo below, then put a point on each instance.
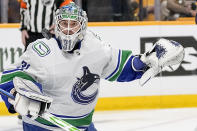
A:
(70, 25)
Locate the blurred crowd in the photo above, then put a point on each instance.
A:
(123, 10)
(173, 9)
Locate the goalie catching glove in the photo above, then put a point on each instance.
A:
(29, 99)
(163, 53)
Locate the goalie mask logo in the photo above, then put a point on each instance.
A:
(82, 85)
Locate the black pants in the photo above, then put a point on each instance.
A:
(32, 37)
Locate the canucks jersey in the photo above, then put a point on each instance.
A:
(71, 79)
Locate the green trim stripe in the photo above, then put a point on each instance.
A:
(125, 55)
(75, 122)
(9, 77)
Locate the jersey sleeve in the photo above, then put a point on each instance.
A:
(27, 67)
(118, 67)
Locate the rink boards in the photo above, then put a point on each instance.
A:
(168, 90)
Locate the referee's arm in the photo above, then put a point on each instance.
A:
(23, 22)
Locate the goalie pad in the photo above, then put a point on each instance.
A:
(29, 99)
(30, 90)
(163, 53)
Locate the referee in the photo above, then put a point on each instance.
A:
(36, 15)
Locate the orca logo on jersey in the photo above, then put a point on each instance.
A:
(79, 92)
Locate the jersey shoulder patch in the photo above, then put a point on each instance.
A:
(41, 48)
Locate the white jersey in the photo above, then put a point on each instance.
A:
(71, 79)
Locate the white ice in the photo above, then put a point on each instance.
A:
(180, 119)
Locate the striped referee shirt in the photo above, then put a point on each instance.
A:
(39, 14)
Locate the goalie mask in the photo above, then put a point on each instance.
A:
(70, 25)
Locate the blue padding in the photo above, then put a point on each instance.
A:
(91, 128)
(138, 64)
(128, 74)
(7, 87)
(29, 127)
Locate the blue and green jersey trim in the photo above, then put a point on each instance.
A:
(9, 75)
(79, 121)
(124, 71)
(7, 84)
